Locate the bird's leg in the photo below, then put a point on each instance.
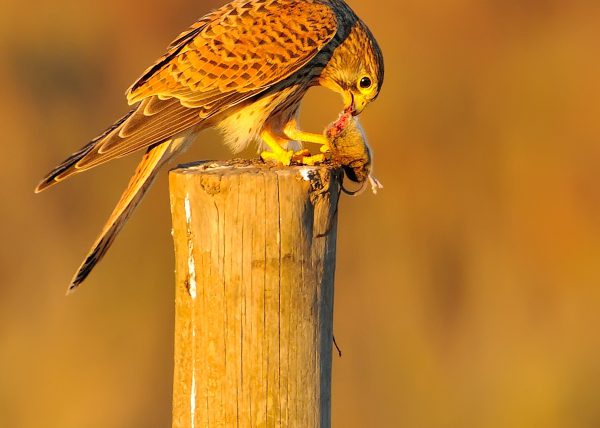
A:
(293, 133)
(279, 154)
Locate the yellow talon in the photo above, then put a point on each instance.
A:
(277, 153)
(283, 157)
(313, 160)
(300, 155)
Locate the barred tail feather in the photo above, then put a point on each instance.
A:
(139, 184)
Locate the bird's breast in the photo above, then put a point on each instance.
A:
(241, 125)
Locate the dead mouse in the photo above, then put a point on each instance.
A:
(350, 150)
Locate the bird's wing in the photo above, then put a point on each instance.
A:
(236, 52)
(223, 59)
(151, 122)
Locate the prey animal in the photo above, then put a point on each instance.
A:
(244, 69)
(348, 149)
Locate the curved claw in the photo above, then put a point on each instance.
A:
(300, 155)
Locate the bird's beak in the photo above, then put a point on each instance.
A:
(359, 106)
(355, 104)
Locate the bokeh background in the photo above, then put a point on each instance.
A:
(468, 291)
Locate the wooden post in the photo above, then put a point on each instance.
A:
(255, 262)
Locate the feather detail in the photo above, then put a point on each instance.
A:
(152, 122)
(139, 184)
(237, 52)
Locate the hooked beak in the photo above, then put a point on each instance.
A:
(355, 105)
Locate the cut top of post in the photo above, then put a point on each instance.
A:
(319, 177)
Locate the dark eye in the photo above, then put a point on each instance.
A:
(365, 83)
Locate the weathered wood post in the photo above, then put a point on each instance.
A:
(255, 261)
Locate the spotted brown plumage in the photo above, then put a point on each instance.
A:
(243, 69)
(221, 64)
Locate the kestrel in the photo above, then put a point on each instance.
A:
(244, 69)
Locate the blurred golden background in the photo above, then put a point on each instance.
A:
(467, 292)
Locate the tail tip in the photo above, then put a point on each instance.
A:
(72, 289)
(44, 184)
(82, 273)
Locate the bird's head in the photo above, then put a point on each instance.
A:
(355, 70)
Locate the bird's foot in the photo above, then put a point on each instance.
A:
(313, 160)
(301, 157)
(283, 157)
(304, 157)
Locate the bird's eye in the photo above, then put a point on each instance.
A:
(365, 82)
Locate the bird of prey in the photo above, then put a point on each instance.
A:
(243, 69)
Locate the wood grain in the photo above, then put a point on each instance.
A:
(255, 262)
